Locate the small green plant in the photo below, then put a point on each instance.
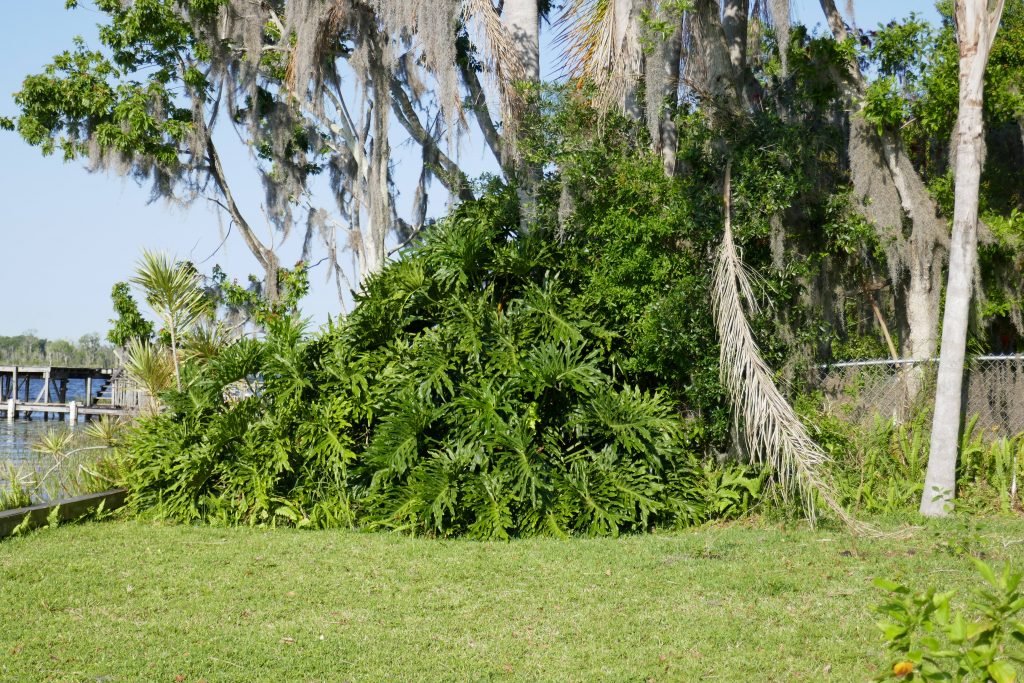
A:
(988, 472)
(928, 640)
(66, 463)
(17, 492)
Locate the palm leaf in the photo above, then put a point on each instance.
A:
(601, 44)
(773, 433)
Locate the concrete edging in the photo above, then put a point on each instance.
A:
(70, 508)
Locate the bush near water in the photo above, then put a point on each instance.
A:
(490, 383)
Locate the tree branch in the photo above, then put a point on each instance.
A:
(478, 103)
(263, 255)
(446, 170)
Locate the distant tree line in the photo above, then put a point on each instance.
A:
(28, 349)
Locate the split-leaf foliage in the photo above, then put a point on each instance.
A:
(490, 383)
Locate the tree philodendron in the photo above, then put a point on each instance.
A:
(976, 25)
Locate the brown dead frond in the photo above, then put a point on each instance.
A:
(773, 433)
(600, 41)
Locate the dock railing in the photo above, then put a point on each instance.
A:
(47, 390)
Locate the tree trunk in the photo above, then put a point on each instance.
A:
(522, 20)
(975, 31)
(662, 87)
(779, 10)
(523, 23)
(734, 24)
(174, 356)
(893, 191)
(922, 304)
(627, 50)
(709, 44)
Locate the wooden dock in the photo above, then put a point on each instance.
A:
(105, 393)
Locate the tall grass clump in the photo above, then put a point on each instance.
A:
(67, 462)
(880, 467)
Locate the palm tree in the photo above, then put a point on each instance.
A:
(522, 20)
(150, 368)
(172, 290)
(976, 28)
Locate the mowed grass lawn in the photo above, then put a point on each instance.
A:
(132, 601)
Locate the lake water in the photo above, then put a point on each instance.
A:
(17, 436)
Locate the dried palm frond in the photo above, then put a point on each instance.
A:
(601, 45)
(773, 433)
(506, 69)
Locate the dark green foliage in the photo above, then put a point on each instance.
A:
(129, 323)
(478, 388)
(494, 384)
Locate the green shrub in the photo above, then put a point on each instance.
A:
(470, 392)
(929, 640)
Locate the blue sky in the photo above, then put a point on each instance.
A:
(68, 235)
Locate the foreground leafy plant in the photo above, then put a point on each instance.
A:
(16, 492)
(471, 392)
(929, 641)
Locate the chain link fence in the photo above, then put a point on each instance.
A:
(862, 391)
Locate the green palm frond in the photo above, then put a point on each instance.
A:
(204, 341)
(173, 291)
(107, 431)
(150, 367)
(54, 442)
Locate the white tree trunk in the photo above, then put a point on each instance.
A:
(709, 46)
(662, 88)
(523, 23)
(734, 24)
(628, 52)
(975, 30)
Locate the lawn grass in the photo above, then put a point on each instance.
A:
(132, 601)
